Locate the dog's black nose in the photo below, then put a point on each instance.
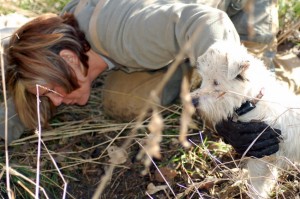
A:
(195, 101)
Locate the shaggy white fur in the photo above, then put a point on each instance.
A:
(231, 76)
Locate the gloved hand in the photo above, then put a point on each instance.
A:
(241, 134)
(15, 128)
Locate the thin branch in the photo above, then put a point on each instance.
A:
(6, 119)
(39, 143)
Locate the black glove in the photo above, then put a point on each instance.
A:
(241, 134)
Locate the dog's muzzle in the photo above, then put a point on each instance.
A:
(195, 101)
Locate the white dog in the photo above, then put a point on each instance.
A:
(232, 78)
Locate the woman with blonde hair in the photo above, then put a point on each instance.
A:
(33, 58)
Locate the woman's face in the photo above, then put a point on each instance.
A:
(79, 96)
(58, 95)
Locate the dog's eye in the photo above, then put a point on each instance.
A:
(216, 83)
(240, 77)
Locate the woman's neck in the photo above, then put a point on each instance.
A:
(96, 65)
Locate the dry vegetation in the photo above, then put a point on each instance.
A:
(89, 153)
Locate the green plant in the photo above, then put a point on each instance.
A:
(288, 12)
(289, 20)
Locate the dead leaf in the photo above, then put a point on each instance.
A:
(117, 155)
(152, 189)
(168, 173)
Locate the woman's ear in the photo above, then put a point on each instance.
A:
(69, 56)
(74, 62)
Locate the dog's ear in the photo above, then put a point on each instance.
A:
(236, 68)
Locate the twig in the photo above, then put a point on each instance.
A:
(15, 173)
(282, 37)
(39, 146)
(6, 121)
(25, 188)
(39, 143)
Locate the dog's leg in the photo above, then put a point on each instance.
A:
(262, 178)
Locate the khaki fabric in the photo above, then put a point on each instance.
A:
(125, 95)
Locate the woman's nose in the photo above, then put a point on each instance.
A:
(56, 99)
